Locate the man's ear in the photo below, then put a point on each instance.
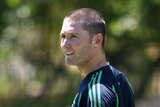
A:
(98, 38)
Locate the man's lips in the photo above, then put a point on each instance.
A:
(69, 53)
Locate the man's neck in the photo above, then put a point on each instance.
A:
(92, 65)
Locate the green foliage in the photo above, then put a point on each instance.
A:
(31, 60)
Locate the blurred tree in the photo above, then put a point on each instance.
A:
(30, 50)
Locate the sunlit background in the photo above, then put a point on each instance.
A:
(32, 68)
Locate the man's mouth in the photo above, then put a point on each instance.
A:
(70, 53)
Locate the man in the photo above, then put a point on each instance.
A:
(82, 41)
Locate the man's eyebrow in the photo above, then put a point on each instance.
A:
(72, 33)
(69, 33)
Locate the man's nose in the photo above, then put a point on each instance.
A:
(65, 43)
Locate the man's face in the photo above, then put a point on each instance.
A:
(75, 43)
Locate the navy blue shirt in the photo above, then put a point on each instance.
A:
(105, 87)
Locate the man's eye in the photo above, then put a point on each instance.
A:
(63, 36)
(73, 36)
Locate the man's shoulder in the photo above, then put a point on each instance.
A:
(118, 75)
(115, 71)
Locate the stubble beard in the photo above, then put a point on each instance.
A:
(78, 60)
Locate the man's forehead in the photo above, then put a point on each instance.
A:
(68, 22)
(70, 26)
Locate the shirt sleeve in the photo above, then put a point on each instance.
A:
(128, 93)
(97, 96)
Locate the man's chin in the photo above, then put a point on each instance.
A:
(70, 63)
